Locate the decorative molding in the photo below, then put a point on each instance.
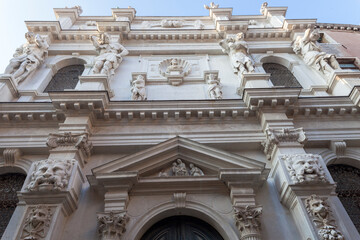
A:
(283, 135)
(338, 147)
(174, 69)
(112, 225)
(79, 141)
(50, 175)
(11, 155)
(180, 200)
(248, 221)
(320, 213)
(304, 168)
(37, 223)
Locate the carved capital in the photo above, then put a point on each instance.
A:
(304, 168)
(11, 155)
(79, 141)
(248, 221)
(37, 223)
(112, 225)
(320, 213)
(283, 135)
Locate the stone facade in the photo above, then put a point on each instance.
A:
(177, 116)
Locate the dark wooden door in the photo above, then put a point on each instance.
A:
(181, 228)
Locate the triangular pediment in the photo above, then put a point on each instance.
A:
(161, 157)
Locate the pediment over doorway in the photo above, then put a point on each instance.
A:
(161, 157)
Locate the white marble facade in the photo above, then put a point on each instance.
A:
(177, 116)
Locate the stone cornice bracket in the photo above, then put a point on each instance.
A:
(112, 225)
(79, 141)
(180, 200)
(320, 213)
(248, 222)
(11, 155)
(338, 147)
(282, 136)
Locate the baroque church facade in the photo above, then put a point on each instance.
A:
(216, 127)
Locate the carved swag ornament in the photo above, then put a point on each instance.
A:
(304, 168)
(320, 213)
(112, 225)
(79, 141)
(248, 221)
(276, 136)
(37, 223)
(51, 175)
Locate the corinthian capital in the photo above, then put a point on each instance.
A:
(248, 221)
(79, 141)
(282, 135)
(112, 225)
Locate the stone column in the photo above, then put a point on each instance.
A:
(302, 180)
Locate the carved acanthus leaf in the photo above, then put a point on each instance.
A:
(321, 215)
(248, 221)
(79, 141)
(112, 225)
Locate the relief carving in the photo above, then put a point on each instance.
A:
(306, 47)
(248, 221)
(138, 91)
(276, 136)
(237, 50)
(80, 141)
(110, 54)
(214, 88)
(50, 175)
(112, 225)
(304, 168)
(37, 223)
(166, 23)
(179, 169)
(27, 57)
(321, 215)
(174, 69)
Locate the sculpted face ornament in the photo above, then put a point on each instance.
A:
(49, 175)
(36, 223)
(321, 216)
(304, 168)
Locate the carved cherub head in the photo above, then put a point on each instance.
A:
(50, 175)
(305, 168)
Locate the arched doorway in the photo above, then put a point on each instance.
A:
(181, 228)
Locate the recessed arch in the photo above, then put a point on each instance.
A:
(192, 209)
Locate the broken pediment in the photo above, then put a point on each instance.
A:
(161, 157)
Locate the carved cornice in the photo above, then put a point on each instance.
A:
(79, 141)
(320, 213)
(282, 135)
(112, 225)
(248, 221)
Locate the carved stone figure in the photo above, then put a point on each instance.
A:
(36, 223)
(50, 175)
(320, 212)
(110, 54)
(179, 168)
(304, 168)
(112, 225)
(166, 23)
(80, 141)
(237, 50)
(306, 47)
(27, 57)
(138, 91)
(263, 7)
(248, 221)
(195, 171)
(212, 5)
(214, 88)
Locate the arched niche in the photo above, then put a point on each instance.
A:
(280, 70)
(10, 184)
(193, 209)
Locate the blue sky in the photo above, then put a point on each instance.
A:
(13, 13)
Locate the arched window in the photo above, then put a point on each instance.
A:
(348, 189)
(65, 78)
(10, 183)
(280, 75)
